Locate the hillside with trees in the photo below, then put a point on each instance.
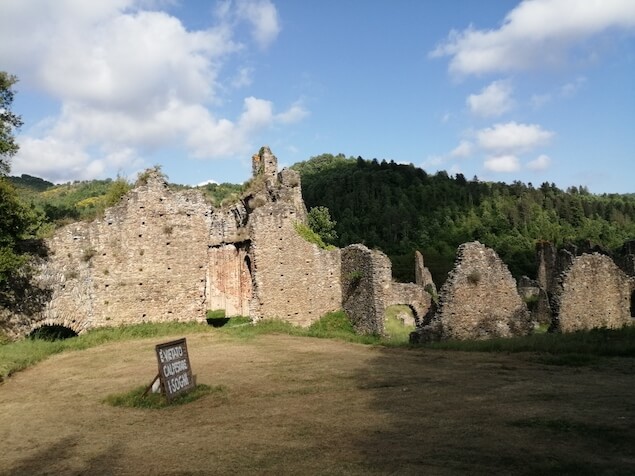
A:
(400, 208)
(393, 207)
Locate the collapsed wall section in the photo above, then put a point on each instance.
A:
(479, 300)
(595, 293)
(294, 280)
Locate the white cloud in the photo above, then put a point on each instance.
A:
(207, 182)
(295, 113)
(464, 149)
(243, 78)
(503, 163)
(129, 81)
(263, 16)
(512, 138)
(535, 34)
(542, 162)
(494, 100)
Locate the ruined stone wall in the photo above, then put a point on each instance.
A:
(366, 285)
(536, 299)
(479, 300)
(412, 295)
(595, 293)
(294, 280)
(145, 261)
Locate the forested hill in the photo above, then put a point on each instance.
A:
(400, 208)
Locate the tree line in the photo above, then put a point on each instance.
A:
(400, 208)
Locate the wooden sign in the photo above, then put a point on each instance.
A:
(175, 372)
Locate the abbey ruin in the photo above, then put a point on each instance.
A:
(164, 255)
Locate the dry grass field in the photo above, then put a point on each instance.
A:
(298, 405)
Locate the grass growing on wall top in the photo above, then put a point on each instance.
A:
(312, 237)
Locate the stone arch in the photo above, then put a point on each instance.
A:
(53, 332)
(413, 311)
(73, 325)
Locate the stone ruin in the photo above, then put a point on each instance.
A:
(368, 289)
(581, 287)
(479, 300)
(163, 255)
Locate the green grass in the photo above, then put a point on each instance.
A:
(24, 353)
(136, 399)
(575, 349)
(396, 331)
(595, 342)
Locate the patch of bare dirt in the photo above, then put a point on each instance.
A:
(311, 406)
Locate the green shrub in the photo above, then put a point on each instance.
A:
(312, 237)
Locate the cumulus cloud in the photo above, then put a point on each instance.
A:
(502, 163)
(542, 162)
(501, 147)
(512, 137)
(130, 80)
(535, 34)
(494, 100)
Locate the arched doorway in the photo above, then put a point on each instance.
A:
(633, 304)
(52, 332)
(399, 321)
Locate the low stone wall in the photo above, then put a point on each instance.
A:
(479, 300)
(595, 293)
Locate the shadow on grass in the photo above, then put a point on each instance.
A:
(447, 412)
(58, 458)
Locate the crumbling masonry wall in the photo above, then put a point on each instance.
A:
(479, 300)
(368, 289)
(162, 255)
(294, 280)
(366, 278)
(595, 293)
(145, 261)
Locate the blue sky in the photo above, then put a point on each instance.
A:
(534, 90)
